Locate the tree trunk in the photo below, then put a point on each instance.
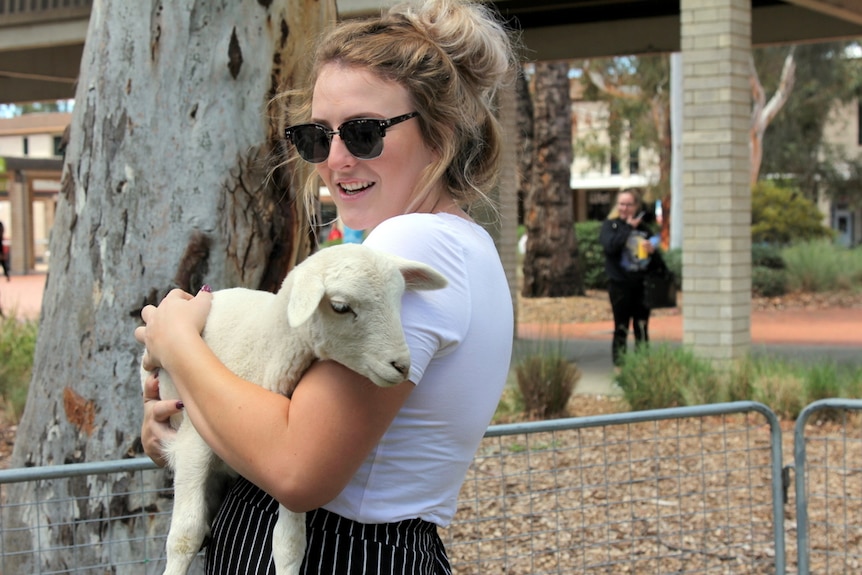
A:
(525, 141)
(170, 180)
(762, 113)
(551, 261)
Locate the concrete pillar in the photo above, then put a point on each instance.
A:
(716, 46)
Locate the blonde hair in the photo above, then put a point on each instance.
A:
(451, 56)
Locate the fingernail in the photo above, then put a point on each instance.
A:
(180, 405)
(206, 288)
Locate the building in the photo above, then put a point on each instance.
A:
(843, 130)
(30, 163)
(597, 177)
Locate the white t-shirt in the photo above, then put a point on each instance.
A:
(460, 340)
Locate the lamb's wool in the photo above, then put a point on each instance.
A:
(346, 308)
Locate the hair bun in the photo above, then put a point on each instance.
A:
(472, 37)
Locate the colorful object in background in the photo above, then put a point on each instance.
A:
(352, 236)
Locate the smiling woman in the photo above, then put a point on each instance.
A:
(399, 123)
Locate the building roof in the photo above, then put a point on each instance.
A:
(40, 123)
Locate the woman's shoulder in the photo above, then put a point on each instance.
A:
(418, 231)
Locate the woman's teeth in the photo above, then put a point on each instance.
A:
(354, 188)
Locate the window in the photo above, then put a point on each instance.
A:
(615, 164)
(26, 143)
(58, 142)
(634, 160)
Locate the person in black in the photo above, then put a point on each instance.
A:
(628, 248)
(3, 253)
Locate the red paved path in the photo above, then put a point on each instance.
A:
(841, 326)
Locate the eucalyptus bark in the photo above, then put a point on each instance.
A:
(551, 266)
(171, 179)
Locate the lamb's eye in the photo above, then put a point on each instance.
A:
(340, 307)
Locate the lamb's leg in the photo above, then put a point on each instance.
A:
(288, 541)
(192, 461)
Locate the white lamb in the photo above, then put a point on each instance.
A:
(343, 303)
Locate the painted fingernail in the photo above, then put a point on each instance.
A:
(180, 405)
(206, 288)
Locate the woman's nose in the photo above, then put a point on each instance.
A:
(338, 154)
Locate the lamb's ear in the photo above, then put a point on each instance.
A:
(419, 276)
(305, 296)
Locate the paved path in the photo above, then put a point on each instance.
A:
(800, 334)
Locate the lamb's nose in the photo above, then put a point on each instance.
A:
(401, 368)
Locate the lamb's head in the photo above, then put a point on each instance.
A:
(348, 297)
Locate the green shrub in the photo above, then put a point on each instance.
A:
(673, 261)
(546, 383)
(822, 381)
(782, 215)
(17, 345)
(784, 393)
(768, 282)
(659, 376)
(591, 254)
(820, 266)
(545, 379)
(767, 256)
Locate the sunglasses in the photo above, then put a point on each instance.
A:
(363, 137)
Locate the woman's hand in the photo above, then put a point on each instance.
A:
(169, 326)
(156, 427)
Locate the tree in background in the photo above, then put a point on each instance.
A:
(524, 122)
(637, 92)
(763, 112)
(170, 180)
(551, 259)
(794, 147)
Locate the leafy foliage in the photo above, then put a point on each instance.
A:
(17, 345)
(793, 143)
(653, 377)
(781, 215)
(663, 376)
(591, 254)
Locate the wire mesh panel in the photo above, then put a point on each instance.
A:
(689, 490)
(114, 528)
(828, 460)
(669, 491)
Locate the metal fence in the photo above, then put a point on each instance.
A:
(828, 458)
(689, 490)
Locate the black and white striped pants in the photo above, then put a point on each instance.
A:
(242, 541)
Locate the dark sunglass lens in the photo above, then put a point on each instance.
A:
(311, 143)
(362, 138)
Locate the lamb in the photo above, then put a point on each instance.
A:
(343, 303)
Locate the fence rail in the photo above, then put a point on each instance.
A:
(689, 490)
(829, 497)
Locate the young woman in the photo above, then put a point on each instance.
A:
(625, 239)
(399, 123)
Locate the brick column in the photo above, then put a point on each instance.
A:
(716, 46)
